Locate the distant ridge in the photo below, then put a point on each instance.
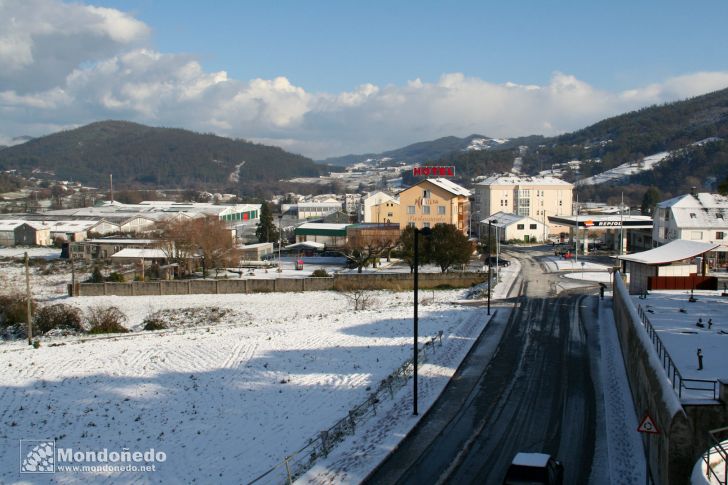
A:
(163, 157)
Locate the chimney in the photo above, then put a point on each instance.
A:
(692, 191)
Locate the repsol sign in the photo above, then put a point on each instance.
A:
(439, 171)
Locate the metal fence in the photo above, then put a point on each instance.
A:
(709, 387)
(718, 439)
(300, 461)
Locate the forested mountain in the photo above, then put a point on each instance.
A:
(162, 157)
(428, 151)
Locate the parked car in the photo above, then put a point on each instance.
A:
(534, 468)
(498, 261)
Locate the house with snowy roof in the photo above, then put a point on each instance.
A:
(694, 217)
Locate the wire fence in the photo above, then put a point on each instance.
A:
(704, 386)
(302, 460)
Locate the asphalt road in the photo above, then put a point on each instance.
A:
(535, 394)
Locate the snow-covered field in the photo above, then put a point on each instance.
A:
(226, 401)
(682, 337)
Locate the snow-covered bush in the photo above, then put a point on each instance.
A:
(106, 320)
(58, 316)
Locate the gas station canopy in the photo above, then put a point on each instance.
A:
(612, 221)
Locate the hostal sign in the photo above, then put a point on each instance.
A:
(434, 171)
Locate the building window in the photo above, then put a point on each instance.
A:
(520, 227)
(410, 224)
(532, 226)
(441, 210)
(426, 194)
(390, 214)
(410, 209)
(425, 224)
(426, 210)
(719, 235)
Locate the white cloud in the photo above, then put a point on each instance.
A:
(106, 70)
(41, 41)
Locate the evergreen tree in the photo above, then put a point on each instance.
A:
(723, 187)
(650, 199)
(449, 246)
(266, 231)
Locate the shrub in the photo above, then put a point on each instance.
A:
(57, 316)
(115, 277)
(96, 276)
(154, 321)
(13, 309)
(106, 320)
(320, 273)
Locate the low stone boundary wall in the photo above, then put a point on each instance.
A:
(339, 282)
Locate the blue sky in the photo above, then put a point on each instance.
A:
(328, 78)
(336, 45)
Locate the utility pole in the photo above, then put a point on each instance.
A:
(73, 270)
(29, 310)
(111, 188)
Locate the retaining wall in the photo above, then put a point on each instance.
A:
(683, 427)
(349, 281)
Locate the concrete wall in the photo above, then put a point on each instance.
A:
(683, 428)
(349, 281)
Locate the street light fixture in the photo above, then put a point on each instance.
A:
(425, 231)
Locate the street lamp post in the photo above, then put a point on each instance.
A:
(425, 231)
(280, 237)
(489, 266)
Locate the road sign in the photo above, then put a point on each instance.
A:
(648, 426)
(588, 223)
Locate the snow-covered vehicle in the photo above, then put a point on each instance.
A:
(534, 468)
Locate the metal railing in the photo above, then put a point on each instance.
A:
(299, 462)
(673, 374)
(718, 439)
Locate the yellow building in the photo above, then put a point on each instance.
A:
(434, 201)
(385, 213)
(534, 197)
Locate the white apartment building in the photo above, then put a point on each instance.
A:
(534, 197)
(694, 217)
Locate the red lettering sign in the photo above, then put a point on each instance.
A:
(434, 171)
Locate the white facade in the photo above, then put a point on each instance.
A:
(510, 227)
(534, 197)
(702, 217)
(308, 210)
(374, 199)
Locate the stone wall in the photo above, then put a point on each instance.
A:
(683, 428)
(340, 282)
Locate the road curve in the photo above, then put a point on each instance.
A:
(536, 394)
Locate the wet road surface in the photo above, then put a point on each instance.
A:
(536, 395)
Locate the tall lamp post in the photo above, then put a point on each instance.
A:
(425, 231)
(280, 238)
(490, 280)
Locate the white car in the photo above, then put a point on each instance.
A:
(534, 468)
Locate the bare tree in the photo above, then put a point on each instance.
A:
(364, 245)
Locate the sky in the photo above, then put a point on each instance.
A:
(327, 78)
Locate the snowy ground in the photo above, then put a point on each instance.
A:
(681, 336)
(227, 400)
(33, 252)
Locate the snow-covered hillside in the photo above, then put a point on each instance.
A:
(479, 144)
(625, 170)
